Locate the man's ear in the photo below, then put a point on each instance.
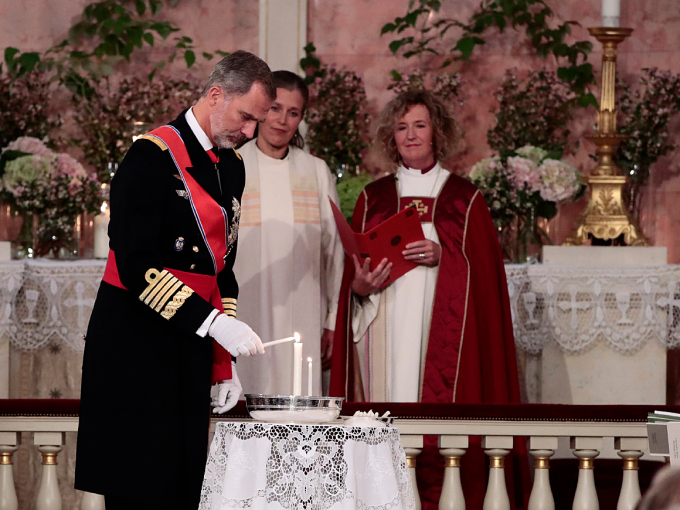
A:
(214, 95)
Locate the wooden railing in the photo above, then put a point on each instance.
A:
(542, 425)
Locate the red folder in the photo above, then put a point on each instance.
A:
(386, 240)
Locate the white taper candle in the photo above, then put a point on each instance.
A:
(297, 366)
(310, 377)
(611, 12)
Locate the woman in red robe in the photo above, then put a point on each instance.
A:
(467, 349)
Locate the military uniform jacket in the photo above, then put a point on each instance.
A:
(145, 397)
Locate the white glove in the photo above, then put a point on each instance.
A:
(235, 336)
(225, 394)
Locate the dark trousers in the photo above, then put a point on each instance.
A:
(120, 504)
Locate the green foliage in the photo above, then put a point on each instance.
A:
(531, 15)
(349, 188)
(337, 116)
(108, 32)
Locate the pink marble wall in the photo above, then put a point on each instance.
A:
(347, 33)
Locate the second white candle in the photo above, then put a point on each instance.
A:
(297, 368)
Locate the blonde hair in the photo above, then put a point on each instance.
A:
(445, 130)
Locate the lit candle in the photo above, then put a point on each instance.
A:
(309, 377)
(611, 11)
(297, 365)
(101, 232)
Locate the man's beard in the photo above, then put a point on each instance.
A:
(221, 136)
(226, 141)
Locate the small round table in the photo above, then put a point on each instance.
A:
(312, 467)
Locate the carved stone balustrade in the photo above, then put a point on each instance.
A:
(541, 424)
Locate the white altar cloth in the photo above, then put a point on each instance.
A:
(44, 301)
(311, 467)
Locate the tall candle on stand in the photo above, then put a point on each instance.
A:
(101, 232)
(611, 12)
(297, 365)
(309, 377)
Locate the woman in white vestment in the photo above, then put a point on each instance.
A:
(289, 265)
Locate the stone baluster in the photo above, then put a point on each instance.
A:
(452, 448)
(49, 444)
(9, 443)
(413, 445)
(542, 448)
(630, 450)
(497, 448)
(91, 501)
(586, 449)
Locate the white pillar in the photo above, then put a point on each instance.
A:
(413, 445)
(283, 33)
(91, 501)
(586, 449)
(630, 487)
(497, 448)
(49, 444)
(452, 448)
(542, 448)
(9, 443)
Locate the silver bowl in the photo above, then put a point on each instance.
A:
(293, 409)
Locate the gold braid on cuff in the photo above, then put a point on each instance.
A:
(229, 306)
(165, 292)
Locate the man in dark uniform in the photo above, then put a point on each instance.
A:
(163, 325)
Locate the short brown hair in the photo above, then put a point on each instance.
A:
(445, 130)
(236, 73)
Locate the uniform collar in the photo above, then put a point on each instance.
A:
(197, 130)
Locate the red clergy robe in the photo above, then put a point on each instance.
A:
(470, 355)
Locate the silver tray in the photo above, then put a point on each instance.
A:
(293, 409)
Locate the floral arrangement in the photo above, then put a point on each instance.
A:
(337, 114)
(645, 117)
(448, 86)
(524, 185)
(25, 108)
(107, 118)
(51, 186)
(534, 111)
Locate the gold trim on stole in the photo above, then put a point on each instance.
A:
(467, 293)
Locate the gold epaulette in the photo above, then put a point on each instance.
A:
(229, 306)
(155, 140)
(165, 293)
(237, 154)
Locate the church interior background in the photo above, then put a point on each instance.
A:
(618, 319)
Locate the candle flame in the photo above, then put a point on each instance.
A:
(296, 335)
(104, 207)
(309, 360)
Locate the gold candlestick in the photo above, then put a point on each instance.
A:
(605, 216)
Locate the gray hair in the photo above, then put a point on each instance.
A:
(664, 493)
(236, 73)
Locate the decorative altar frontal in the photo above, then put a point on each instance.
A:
(45, 307)
(574, 306)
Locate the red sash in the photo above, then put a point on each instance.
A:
(212, 219)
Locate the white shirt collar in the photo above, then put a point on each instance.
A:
(198, 130)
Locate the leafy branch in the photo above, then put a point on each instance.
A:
(531, 15)
(108, 32)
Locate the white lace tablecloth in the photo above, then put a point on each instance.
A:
(311, 467)
(45, 302)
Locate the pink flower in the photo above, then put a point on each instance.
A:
(524, 172)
